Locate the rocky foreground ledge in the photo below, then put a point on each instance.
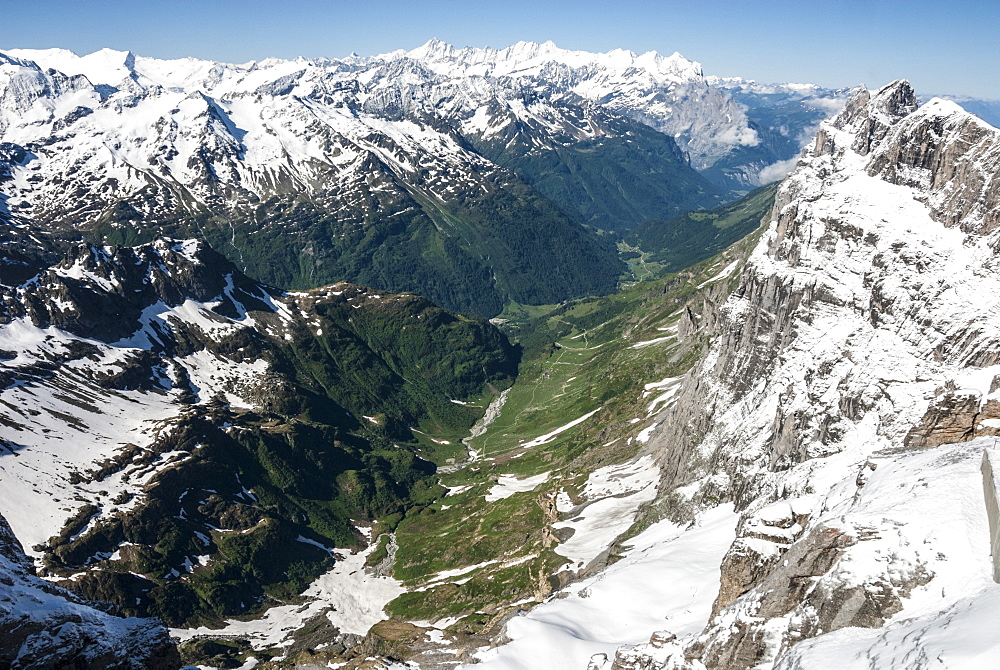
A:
(43, 626)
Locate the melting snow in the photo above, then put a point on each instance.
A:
(508, 485)
(726, 271)
(352, 600)
(616, 493)
(548, 437)
(658, 340)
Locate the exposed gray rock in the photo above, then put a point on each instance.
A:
(762, 538)
(758, 328)
(991, 491)
(43, 626)
(800, 598)
(851, 333)
(662, 652)
(952, 160)
(958, 416)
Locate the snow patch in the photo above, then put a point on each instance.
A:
(508, 485)
(548, 437)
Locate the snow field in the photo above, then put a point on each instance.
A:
(508, 485)
(351, 598)
(548, 437)
(612, 496)
(668, 578)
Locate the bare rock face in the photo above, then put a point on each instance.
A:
(951, 419)
(870, 117)
(951, 159)
(43, 626)
(988, 419)
(958, 416)
(800, 598)
(762, 539)
(863, 314)
(843, 304)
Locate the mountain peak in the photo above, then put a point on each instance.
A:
(433, 48)
(450, 61)
(104, 66)
(890, 103)
(949, 157)
(869, 116)
(894, 101)
(942, 107)
(113, 56)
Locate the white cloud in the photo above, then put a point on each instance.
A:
(829, 105)
(738, 135)
(776, 171)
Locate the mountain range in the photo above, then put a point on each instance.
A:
(720, 424)
(475, 177)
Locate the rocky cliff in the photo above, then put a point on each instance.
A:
(43, 626)
(862, 344)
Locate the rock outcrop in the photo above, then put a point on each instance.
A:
(991, 492)
(662, 652)
(802, 597)
(762, 540)
(45, 627)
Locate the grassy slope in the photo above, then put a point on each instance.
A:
(668, 246)
(578, 358)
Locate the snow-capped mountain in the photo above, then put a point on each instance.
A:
(191, 443)
(356, 167)
(668, 93)
(986, 109)
(838, 407)
(302, 152)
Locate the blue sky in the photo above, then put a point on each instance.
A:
(941, 47)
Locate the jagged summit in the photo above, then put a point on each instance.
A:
(949, 156)
(890, 103)
(859, 354)
(868, 117)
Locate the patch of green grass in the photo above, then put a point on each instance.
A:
(505, 528)
(579, 357)
(380, 552)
